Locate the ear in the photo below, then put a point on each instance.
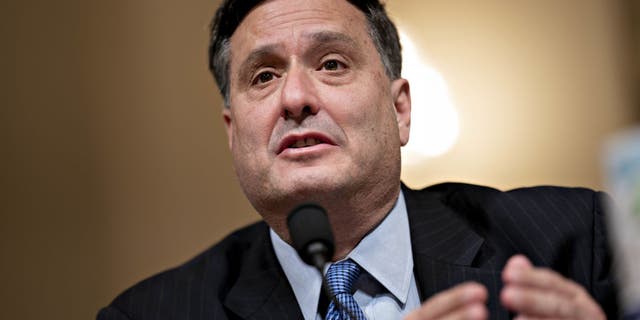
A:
(228, 125)
(402, 104)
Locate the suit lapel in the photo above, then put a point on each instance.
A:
(438, 232)
(262, 290)
(444, 249)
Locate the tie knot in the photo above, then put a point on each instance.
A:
(342, 275)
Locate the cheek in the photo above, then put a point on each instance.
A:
(365, 111)
(248, 137)
(254, 124)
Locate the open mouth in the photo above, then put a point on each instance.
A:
(306, 142)
(303, 141)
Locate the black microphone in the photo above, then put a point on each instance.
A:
(312, 238)
(311, 234)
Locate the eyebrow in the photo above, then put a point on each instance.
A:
(331, 36)
(254, 57)
(320, 39)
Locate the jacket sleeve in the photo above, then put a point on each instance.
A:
(604, 289)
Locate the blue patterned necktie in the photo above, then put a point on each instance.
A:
(340, 278)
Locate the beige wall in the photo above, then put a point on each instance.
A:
(538, 86)
(114, 160)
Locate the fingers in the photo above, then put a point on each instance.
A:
(465, 301)
(519, 271)
(542, 293)
(537, 302)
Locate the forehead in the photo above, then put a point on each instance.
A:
(288, 21)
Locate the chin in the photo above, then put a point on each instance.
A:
(314, 186)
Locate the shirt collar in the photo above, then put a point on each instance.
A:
(385, 253)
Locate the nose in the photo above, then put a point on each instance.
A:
(298, 96)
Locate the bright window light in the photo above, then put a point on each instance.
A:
(434, 120)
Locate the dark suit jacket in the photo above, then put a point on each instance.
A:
(459, 233)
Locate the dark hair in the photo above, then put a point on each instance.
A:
(231, 13)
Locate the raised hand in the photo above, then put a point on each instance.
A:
(540, 293)
(464, 301)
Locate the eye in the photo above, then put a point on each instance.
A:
(332, 65)
(264, 77)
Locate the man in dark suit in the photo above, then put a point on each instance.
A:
(316, 111)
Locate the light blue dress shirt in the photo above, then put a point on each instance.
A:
(387, 287)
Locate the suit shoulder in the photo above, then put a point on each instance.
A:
(540, 209)
(470, 195)
(209, 275)
(575, 202)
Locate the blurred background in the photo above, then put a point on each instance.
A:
(115, 163)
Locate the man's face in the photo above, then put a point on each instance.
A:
(313, 116)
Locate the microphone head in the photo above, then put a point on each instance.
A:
(310, 233)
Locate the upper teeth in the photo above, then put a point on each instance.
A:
(305, 143)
